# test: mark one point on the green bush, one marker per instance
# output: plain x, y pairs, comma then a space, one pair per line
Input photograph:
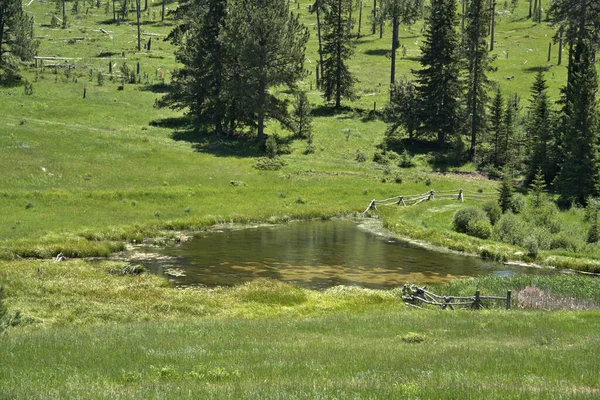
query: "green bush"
269, 164
479, 228
360, 157
272, 147
509, 229
406, 160
464, 216
563, 241
531, 245
493, 211
517, 203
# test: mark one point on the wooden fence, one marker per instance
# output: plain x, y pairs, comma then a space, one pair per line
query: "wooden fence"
417, 297
414, 199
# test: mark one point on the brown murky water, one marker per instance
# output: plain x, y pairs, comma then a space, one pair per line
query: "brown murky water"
315, 254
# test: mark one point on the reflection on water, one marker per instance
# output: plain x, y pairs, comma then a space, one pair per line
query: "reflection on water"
315, 254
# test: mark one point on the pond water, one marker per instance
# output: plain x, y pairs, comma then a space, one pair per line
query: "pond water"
316, 255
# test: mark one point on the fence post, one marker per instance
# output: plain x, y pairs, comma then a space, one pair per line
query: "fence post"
372, 205
477, 302
460, 195
401, 201
431, 195
508, 296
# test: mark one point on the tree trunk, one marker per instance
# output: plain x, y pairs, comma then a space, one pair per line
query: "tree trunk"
359, 19
137, 4
338, 72
320, 41
530, 8
162, 11
145, 5
114, 11
462, 24
261, 110
1, 30
560, 46
374, 16
64, 15
395, 26
493, 25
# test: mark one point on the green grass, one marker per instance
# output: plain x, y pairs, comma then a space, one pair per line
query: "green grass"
495, 355
87, 176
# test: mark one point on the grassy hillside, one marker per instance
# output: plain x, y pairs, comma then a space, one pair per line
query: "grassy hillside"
86, 176
111, 166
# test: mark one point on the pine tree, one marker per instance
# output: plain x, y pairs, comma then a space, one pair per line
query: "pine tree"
268, 44
16, 38
233, 53
199, 84
539, 132
438, 81
538, 188
579, 177
302, 119
338, 47
476, 54
402, 110
505, 192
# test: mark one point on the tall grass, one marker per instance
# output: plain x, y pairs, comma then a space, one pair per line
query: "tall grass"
459, 355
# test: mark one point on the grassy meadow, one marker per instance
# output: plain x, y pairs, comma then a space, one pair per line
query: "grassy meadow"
90, 176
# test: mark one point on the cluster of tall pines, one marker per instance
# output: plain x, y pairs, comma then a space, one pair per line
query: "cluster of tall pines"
450, 101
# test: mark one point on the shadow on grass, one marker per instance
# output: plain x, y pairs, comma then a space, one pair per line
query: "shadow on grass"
104, 54
541, 68
204, 141
378, 52
442, 159
157, 88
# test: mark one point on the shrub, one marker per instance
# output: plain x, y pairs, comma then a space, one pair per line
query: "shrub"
272, 147
509, 229
564, 242
493, 211
413, 337
542, 213
406, 160
269, 164
464, 216
592, 236
531, 245
479, 228
517, 203
360, 156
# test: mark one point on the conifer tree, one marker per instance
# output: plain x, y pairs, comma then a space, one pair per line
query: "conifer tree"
539, 131
16, 38
538, 188
402, 111
233, 53
476, 54
302, 118
505, 192
199, 84
438, 81
579, 177
338, 47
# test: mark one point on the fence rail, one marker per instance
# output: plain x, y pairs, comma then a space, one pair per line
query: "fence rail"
415, 296
414, 199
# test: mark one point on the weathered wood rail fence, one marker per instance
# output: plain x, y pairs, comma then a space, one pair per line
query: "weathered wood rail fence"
414, 199
415, 296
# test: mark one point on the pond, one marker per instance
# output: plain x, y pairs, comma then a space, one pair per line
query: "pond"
314, 254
